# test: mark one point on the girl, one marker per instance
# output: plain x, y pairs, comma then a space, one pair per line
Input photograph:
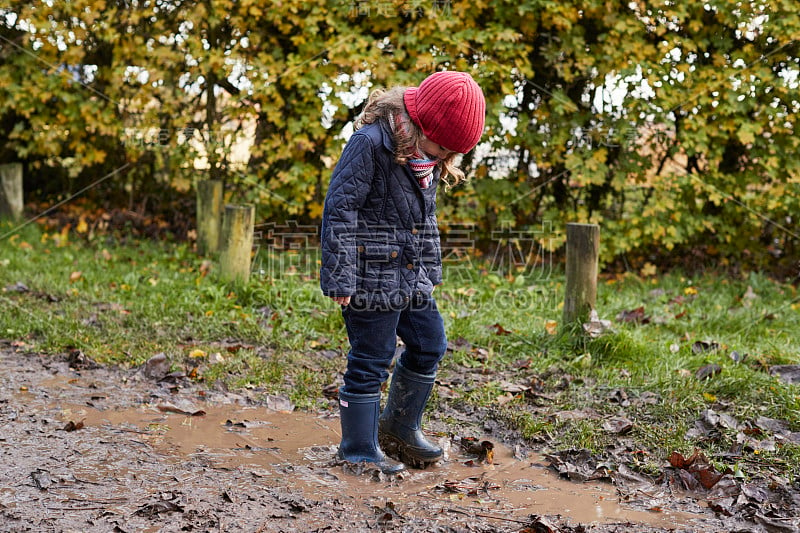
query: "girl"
381, 258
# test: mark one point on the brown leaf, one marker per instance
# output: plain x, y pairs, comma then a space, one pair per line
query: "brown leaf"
504, 398
507, 386
635, 316
73, 426
167, 408
539, 524
619, 425
708, 477
677, 459
500, 330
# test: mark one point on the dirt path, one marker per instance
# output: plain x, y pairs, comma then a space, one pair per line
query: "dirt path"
103, 449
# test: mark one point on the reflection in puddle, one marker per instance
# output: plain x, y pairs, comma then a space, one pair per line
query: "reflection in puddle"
295, 450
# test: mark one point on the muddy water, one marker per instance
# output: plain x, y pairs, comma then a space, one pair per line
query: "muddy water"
296, 449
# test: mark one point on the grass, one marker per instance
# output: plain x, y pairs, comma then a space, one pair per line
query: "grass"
122, 302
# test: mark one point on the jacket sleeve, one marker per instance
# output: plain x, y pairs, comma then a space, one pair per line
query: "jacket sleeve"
350, 184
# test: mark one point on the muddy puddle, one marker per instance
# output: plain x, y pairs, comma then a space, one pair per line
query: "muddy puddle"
297, 450
88, 453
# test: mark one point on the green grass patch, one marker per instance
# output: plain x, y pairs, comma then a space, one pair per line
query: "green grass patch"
121, 303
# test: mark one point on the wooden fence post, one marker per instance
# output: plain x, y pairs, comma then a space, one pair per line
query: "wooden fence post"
209, 216
11, 201
580, 292
237, 242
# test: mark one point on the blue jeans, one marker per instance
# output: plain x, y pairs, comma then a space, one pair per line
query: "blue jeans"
373, 341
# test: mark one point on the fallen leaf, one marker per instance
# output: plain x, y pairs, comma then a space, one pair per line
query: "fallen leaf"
156, 367
786, 373
596, 327
539, 524
678, 460
151, 509
41, 478
736, 357
504, 398
507, 386
618, 425
75, 276
73, 426
168, 408
707, 371
704, 346
749, 294
78, 360
635, 316
17, 287
551, 327
500, 330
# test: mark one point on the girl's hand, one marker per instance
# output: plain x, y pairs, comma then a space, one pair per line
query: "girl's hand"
341, 300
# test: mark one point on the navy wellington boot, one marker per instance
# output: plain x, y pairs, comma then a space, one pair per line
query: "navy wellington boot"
359, 417
399, 428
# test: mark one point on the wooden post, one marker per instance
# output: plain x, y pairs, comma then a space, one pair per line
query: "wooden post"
237, 242
11, 202
209, 216
583, 250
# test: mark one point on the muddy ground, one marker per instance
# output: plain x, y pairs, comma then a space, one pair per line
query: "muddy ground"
87, 448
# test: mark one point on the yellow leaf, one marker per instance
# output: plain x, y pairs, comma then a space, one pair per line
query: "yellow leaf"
551, 326
210, 312
649, 269
196, 353
82, 226
75, 276
709, 397
315, 209
689, 291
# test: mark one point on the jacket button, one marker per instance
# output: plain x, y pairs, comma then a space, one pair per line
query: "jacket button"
410, 266
360, 249
393, 254
414, 231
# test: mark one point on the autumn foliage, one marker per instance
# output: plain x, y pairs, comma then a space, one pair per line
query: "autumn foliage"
670, 124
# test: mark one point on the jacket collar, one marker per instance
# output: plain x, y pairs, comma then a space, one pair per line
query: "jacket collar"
388, 142
386, 135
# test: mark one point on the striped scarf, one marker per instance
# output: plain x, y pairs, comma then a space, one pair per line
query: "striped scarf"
421, 166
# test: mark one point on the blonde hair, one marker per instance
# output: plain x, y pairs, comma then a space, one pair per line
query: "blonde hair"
385, 103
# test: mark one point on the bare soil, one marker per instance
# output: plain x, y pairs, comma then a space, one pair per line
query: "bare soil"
95, 449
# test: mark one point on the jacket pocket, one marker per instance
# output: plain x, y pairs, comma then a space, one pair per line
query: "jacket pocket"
379, 265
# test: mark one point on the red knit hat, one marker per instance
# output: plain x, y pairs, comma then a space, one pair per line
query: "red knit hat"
449, 108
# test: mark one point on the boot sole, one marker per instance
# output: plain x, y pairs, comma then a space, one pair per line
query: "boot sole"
398, 450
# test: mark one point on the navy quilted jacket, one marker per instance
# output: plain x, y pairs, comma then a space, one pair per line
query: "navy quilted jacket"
380, 240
